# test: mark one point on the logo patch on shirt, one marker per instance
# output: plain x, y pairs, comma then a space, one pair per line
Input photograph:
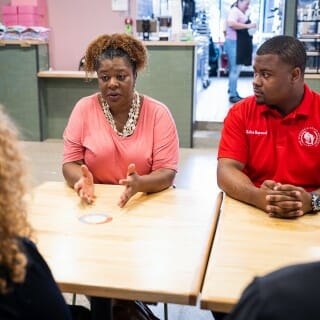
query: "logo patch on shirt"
309, 137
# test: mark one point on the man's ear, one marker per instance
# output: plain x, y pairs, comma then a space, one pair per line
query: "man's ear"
296, 74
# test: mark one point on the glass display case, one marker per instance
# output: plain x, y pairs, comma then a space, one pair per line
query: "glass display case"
273, 17
308, 31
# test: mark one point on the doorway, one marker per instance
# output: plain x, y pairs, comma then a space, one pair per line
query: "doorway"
212, 102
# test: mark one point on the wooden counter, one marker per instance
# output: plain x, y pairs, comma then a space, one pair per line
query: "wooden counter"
312, 76
21, 43
65, 74
313, 80
19, 91
169, 43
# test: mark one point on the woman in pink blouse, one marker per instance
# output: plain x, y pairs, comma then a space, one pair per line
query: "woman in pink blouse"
117, 135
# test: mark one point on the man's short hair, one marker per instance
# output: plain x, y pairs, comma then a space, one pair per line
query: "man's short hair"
290, 50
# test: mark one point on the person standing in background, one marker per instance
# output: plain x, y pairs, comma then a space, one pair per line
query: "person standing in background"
236, 20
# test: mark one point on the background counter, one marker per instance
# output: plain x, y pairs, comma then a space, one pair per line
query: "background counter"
169, 78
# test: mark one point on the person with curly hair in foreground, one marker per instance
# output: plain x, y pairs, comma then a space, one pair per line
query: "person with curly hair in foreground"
118, 136
27, 287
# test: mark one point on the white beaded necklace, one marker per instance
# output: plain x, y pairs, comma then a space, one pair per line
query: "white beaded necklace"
133, 116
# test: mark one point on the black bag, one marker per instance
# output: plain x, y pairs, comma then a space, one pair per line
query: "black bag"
79, 312
131, 310
244, 47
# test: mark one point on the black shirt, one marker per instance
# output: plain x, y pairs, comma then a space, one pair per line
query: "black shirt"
289, 293
39, 297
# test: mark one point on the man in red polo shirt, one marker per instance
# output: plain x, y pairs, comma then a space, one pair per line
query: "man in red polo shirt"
269, 153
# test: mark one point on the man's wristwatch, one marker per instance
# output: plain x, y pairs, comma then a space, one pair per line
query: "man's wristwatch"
315, 201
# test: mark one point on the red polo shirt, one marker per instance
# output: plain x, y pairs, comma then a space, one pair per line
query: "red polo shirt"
283, 149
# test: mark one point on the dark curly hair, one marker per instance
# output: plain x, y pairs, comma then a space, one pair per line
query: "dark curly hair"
115, 45
290, 50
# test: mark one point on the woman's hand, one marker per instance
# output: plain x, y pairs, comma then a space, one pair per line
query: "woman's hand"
251, 25
85, 186
131, 185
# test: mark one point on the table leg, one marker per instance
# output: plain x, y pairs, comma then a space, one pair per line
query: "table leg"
218, 315
165, 308
74, 298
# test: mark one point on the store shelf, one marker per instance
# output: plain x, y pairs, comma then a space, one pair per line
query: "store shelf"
311, 37
308, 32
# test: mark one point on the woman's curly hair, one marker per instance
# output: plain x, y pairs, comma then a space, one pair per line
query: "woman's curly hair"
115, 45
13, 209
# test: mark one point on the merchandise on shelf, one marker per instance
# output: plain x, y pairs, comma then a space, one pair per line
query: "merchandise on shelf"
26, 13
308, 31
24, 33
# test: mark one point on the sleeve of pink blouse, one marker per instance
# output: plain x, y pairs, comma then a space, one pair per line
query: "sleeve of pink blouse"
72, 137
166, 141
232, 16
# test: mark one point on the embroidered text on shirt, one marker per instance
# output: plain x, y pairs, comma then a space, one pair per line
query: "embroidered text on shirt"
256, 132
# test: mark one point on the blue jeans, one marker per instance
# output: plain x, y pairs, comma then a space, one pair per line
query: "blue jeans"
230, 47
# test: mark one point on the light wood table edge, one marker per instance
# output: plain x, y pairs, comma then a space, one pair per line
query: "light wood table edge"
203, 303
218, 306
223, 306
103, 292
217, 209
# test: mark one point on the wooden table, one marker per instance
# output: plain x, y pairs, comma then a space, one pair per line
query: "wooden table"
249, 243
154, 249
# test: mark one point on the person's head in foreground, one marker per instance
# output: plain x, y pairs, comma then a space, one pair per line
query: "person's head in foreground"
27, 288
13, 212
287, 293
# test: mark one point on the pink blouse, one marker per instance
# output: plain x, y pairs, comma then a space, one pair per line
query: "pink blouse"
153, 145
235, 15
